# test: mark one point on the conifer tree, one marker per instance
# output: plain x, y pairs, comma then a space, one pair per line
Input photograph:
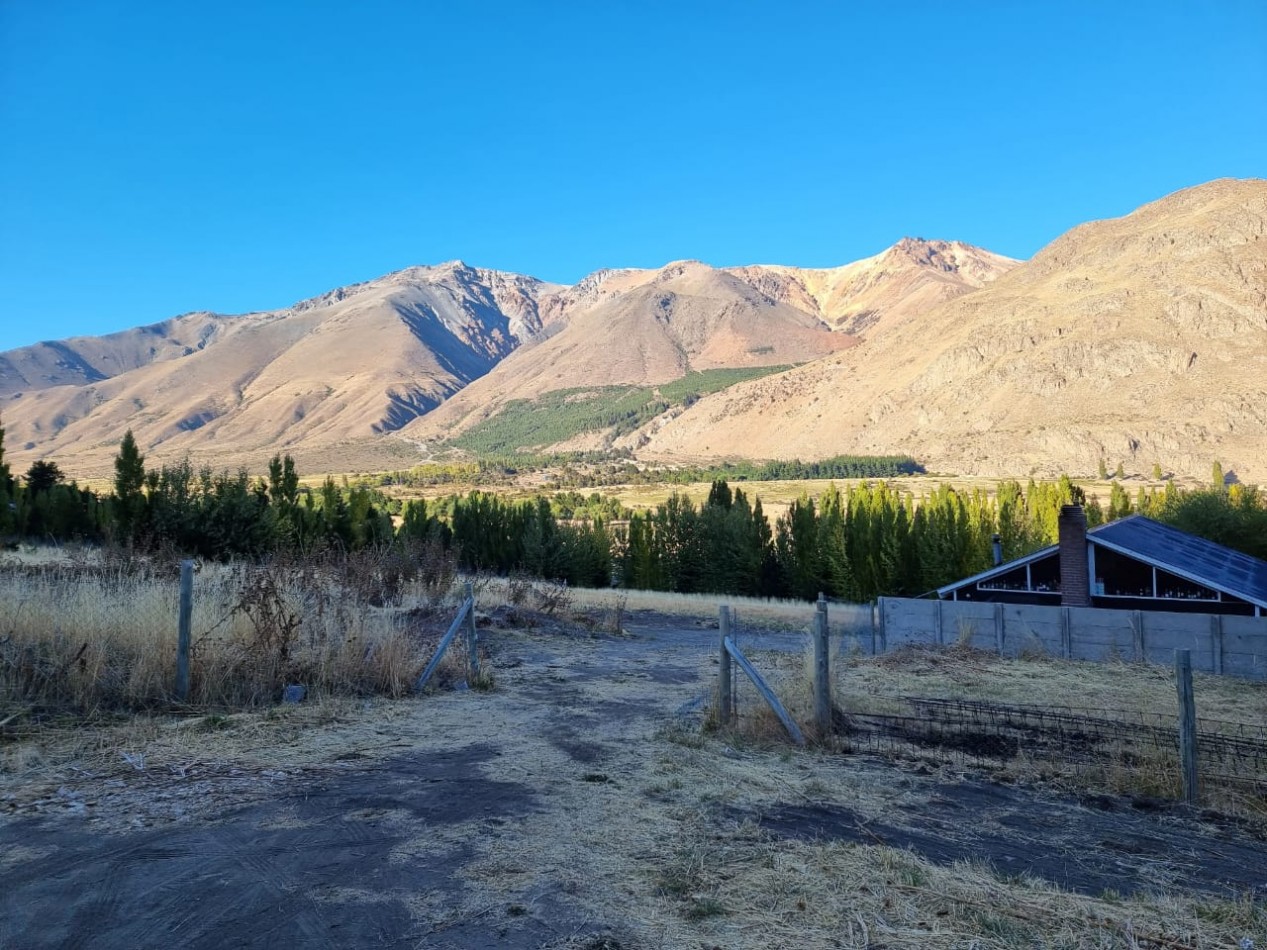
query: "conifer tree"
129, 484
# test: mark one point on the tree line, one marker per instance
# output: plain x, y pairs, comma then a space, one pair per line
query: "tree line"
865, 541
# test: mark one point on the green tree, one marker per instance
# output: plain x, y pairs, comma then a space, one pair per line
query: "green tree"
1217, 478
42, 476
129, 485
1120, 471
1103, 469
1119, 502
1156, 471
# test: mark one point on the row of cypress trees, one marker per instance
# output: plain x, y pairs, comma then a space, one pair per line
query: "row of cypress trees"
873, 540
858, 544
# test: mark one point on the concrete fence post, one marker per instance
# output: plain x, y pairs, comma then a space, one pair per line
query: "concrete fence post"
725, 684
1216, 642
874, 641
184, 629
884, 633
822, 671
1187, 724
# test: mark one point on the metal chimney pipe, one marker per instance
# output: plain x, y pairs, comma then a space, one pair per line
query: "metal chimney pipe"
996, 543
1075, 581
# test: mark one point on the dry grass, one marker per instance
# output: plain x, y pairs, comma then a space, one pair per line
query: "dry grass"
1129, 693
876, 684
87, 637
749, 612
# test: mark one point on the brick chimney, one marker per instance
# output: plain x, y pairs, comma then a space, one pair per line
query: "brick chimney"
1075, 584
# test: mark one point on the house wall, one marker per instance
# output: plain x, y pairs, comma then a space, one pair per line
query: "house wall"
1236, 646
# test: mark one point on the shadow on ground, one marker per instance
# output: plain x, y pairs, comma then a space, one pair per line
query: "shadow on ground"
320, 867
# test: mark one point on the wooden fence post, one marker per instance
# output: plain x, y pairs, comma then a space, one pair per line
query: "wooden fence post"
472, 639
1137, 632
1187, 724
822, 671
725, 686
938, 634
1066, 632
999, 622
184, 629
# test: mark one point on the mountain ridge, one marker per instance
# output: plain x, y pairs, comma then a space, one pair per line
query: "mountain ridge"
1141, 339
371, 358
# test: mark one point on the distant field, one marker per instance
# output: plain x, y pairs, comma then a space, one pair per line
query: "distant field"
776, 496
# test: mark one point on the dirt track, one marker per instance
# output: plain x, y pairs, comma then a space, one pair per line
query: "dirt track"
547, 813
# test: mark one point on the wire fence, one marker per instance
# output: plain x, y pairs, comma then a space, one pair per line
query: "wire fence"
1125, 748
100, 635
1115, 750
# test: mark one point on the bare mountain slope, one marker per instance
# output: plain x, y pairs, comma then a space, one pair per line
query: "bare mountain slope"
1140, 339
355, 362
646, 327
898, 283
90, 359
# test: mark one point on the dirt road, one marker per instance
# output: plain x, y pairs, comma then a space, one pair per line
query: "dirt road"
576, 805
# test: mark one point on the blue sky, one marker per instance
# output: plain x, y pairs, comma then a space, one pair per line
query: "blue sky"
160, 157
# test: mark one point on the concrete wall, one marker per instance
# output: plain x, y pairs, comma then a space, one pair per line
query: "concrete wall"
1236, 646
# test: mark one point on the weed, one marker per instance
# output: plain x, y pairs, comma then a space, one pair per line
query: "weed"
702, 908
552, 597
680, 733
215, 723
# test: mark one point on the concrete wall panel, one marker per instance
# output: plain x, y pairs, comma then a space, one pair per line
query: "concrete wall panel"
1093, 633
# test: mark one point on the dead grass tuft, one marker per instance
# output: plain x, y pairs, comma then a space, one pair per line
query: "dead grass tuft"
90, 638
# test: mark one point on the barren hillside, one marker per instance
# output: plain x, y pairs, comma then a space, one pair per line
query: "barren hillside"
90, 359
898, 283
1139, 339
348, 365
640, 327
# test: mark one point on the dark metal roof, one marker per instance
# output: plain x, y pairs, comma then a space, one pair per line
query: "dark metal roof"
1186, 555
1000, 569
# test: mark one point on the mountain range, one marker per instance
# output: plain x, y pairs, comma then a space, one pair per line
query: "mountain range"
1139, 339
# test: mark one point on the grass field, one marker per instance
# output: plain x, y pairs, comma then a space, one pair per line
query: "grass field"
776, 496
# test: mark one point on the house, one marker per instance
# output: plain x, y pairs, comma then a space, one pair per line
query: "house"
1132, 564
